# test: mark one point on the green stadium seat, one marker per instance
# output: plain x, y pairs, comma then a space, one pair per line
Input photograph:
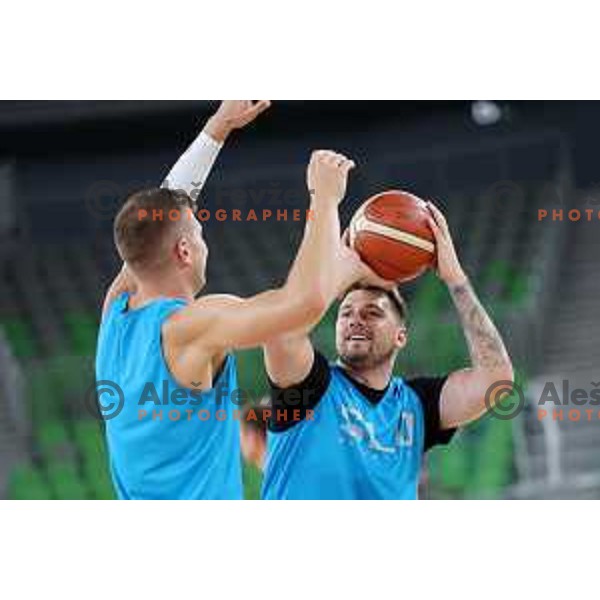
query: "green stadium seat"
429, 298
66, 380
82, 330
45, 403
90, 443
252, 478
251, 374
97, 480
88, 439
27, 483
447, 347
20, 337
493, 468
449, 468
65, 481
519, 288
496, 279
59, 375
54, 442
505, 287
455, 468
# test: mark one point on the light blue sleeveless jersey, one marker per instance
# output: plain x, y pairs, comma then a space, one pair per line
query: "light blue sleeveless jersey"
170, 458
352, 449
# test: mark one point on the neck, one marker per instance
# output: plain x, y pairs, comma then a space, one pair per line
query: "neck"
377, 377
170, 287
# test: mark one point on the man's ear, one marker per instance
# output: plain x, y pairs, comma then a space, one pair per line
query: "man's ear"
402, 337
183, 251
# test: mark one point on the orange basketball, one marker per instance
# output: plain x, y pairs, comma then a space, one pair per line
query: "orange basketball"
391, 234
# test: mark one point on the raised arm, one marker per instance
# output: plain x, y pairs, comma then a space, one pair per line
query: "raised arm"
123, 282
463, 395
289, 356
216, 323
192, 169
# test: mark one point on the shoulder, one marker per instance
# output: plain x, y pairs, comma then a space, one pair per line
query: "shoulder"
216, 300
427, 389
114, 305
304, 396
202, 310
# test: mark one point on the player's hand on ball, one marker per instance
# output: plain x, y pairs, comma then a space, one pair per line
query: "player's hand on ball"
234, 114
357, 271
448, 266
370, 278
327, 175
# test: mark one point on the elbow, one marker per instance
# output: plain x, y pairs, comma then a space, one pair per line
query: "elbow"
307, 301
319, 296
308, 306
503, 372
322, 297
507, 370
315, 304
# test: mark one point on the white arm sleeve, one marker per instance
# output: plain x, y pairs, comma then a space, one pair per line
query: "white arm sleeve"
193, 167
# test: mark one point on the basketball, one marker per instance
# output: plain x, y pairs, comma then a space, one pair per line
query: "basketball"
391, 234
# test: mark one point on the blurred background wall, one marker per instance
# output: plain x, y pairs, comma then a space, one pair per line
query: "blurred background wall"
65, 167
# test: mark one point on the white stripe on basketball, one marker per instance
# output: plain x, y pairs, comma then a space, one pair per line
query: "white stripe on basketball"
357, 218
362, 223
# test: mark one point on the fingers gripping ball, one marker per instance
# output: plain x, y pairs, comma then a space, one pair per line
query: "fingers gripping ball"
391, 234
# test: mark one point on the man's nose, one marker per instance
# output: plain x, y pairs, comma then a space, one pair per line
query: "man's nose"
355, 319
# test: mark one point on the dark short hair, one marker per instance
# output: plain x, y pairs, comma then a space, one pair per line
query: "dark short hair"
139, 240
393, 295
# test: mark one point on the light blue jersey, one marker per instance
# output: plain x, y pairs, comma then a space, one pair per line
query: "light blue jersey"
349, 447
195, 456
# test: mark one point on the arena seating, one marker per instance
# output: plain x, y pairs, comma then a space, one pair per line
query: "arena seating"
558, 457
51, 308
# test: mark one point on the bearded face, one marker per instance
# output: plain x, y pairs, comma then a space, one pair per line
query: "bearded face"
368, 329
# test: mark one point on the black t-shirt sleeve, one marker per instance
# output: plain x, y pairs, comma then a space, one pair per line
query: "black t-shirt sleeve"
429, 391
302, 397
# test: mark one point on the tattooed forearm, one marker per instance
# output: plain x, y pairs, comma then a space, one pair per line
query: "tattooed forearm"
486, 347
